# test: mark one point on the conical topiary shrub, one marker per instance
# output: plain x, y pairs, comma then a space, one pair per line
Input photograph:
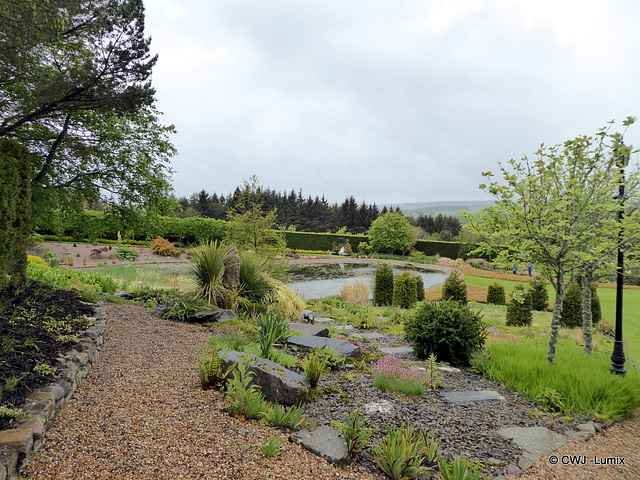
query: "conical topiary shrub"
571, 316
404, 291
539, 294
495, 294
454, 288
419, 284
383, 285
519, 312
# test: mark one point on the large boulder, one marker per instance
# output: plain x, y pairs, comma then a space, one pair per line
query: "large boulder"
277, 383
325, 442
231, 277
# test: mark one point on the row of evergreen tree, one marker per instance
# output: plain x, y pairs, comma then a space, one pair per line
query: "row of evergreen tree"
311, 214
293, 209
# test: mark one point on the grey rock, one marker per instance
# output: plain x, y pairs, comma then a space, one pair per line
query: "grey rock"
308, 315
309, 329
213, 315
396, 351
341, 346
8, 462
324, 320
493, 330
276, 382
475, 396
579, 436
383, 406
588, 427
525, 462
325, 442
514, 470
538, 441
345, 328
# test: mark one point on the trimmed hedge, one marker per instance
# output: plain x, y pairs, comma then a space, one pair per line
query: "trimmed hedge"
92, 225
325, 241
321, 241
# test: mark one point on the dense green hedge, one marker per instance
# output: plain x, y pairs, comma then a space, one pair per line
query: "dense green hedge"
444, 249
321, 241
92, 225
325, 241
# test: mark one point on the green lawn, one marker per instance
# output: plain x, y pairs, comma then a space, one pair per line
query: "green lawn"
631, 313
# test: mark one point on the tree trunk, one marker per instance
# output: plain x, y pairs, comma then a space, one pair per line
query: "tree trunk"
555, 322
587, 318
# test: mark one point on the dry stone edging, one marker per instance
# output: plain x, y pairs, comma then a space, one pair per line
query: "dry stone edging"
18, 445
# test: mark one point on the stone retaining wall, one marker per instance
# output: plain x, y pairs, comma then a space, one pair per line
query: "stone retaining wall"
18, 445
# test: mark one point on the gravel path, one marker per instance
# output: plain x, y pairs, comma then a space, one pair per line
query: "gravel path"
141, 414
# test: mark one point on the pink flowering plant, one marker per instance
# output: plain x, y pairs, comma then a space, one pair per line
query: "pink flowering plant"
391, 373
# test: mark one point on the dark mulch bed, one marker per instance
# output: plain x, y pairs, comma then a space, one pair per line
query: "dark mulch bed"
33, 320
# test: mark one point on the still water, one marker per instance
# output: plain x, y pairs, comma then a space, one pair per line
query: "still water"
319, 281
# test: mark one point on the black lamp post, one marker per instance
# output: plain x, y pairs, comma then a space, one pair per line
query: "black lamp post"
617, 357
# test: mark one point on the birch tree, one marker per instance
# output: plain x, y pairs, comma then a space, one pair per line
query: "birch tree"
558, 210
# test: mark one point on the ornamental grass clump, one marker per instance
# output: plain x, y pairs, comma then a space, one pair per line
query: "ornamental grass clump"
402, 453
391, 373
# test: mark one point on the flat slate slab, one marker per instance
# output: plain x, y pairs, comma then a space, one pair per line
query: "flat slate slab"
538, 441
396, 350
326, 442
341, 346
474, 396
309, 329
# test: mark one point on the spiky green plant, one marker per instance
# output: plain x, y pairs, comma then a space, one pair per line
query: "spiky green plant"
207, 269
254, 278
355, 431
273, 328
315, 366
272, 447
400, 454
243, 396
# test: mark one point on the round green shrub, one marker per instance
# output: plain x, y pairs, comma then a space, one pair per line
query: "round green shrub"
454, 288
519, 312
571, 315
495, 294
539, 294
448, 329
404, 291
383, 285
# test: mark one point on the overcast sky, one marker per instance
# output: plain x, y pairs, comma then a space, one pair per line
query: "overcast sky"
391, 101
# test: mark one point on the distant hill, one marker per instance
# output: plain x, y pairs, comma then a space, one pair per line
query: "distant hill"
446, 208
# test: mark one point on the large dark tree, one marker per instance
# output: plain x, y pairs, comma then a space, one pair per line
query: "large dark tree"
78, 94
75, 91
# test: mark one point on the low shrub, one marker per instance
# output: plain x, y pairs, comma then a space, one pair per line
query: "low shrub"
392, 373
495, 294
126, 253
519, 312
165, 248
454, 288
448, 329
35, 259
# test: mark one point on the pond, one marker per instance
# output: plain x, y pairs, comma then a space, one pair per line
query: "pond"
319, 281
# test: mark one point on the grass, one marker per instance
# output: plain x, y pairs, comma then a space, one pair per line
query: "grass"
132, 277
583, 383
